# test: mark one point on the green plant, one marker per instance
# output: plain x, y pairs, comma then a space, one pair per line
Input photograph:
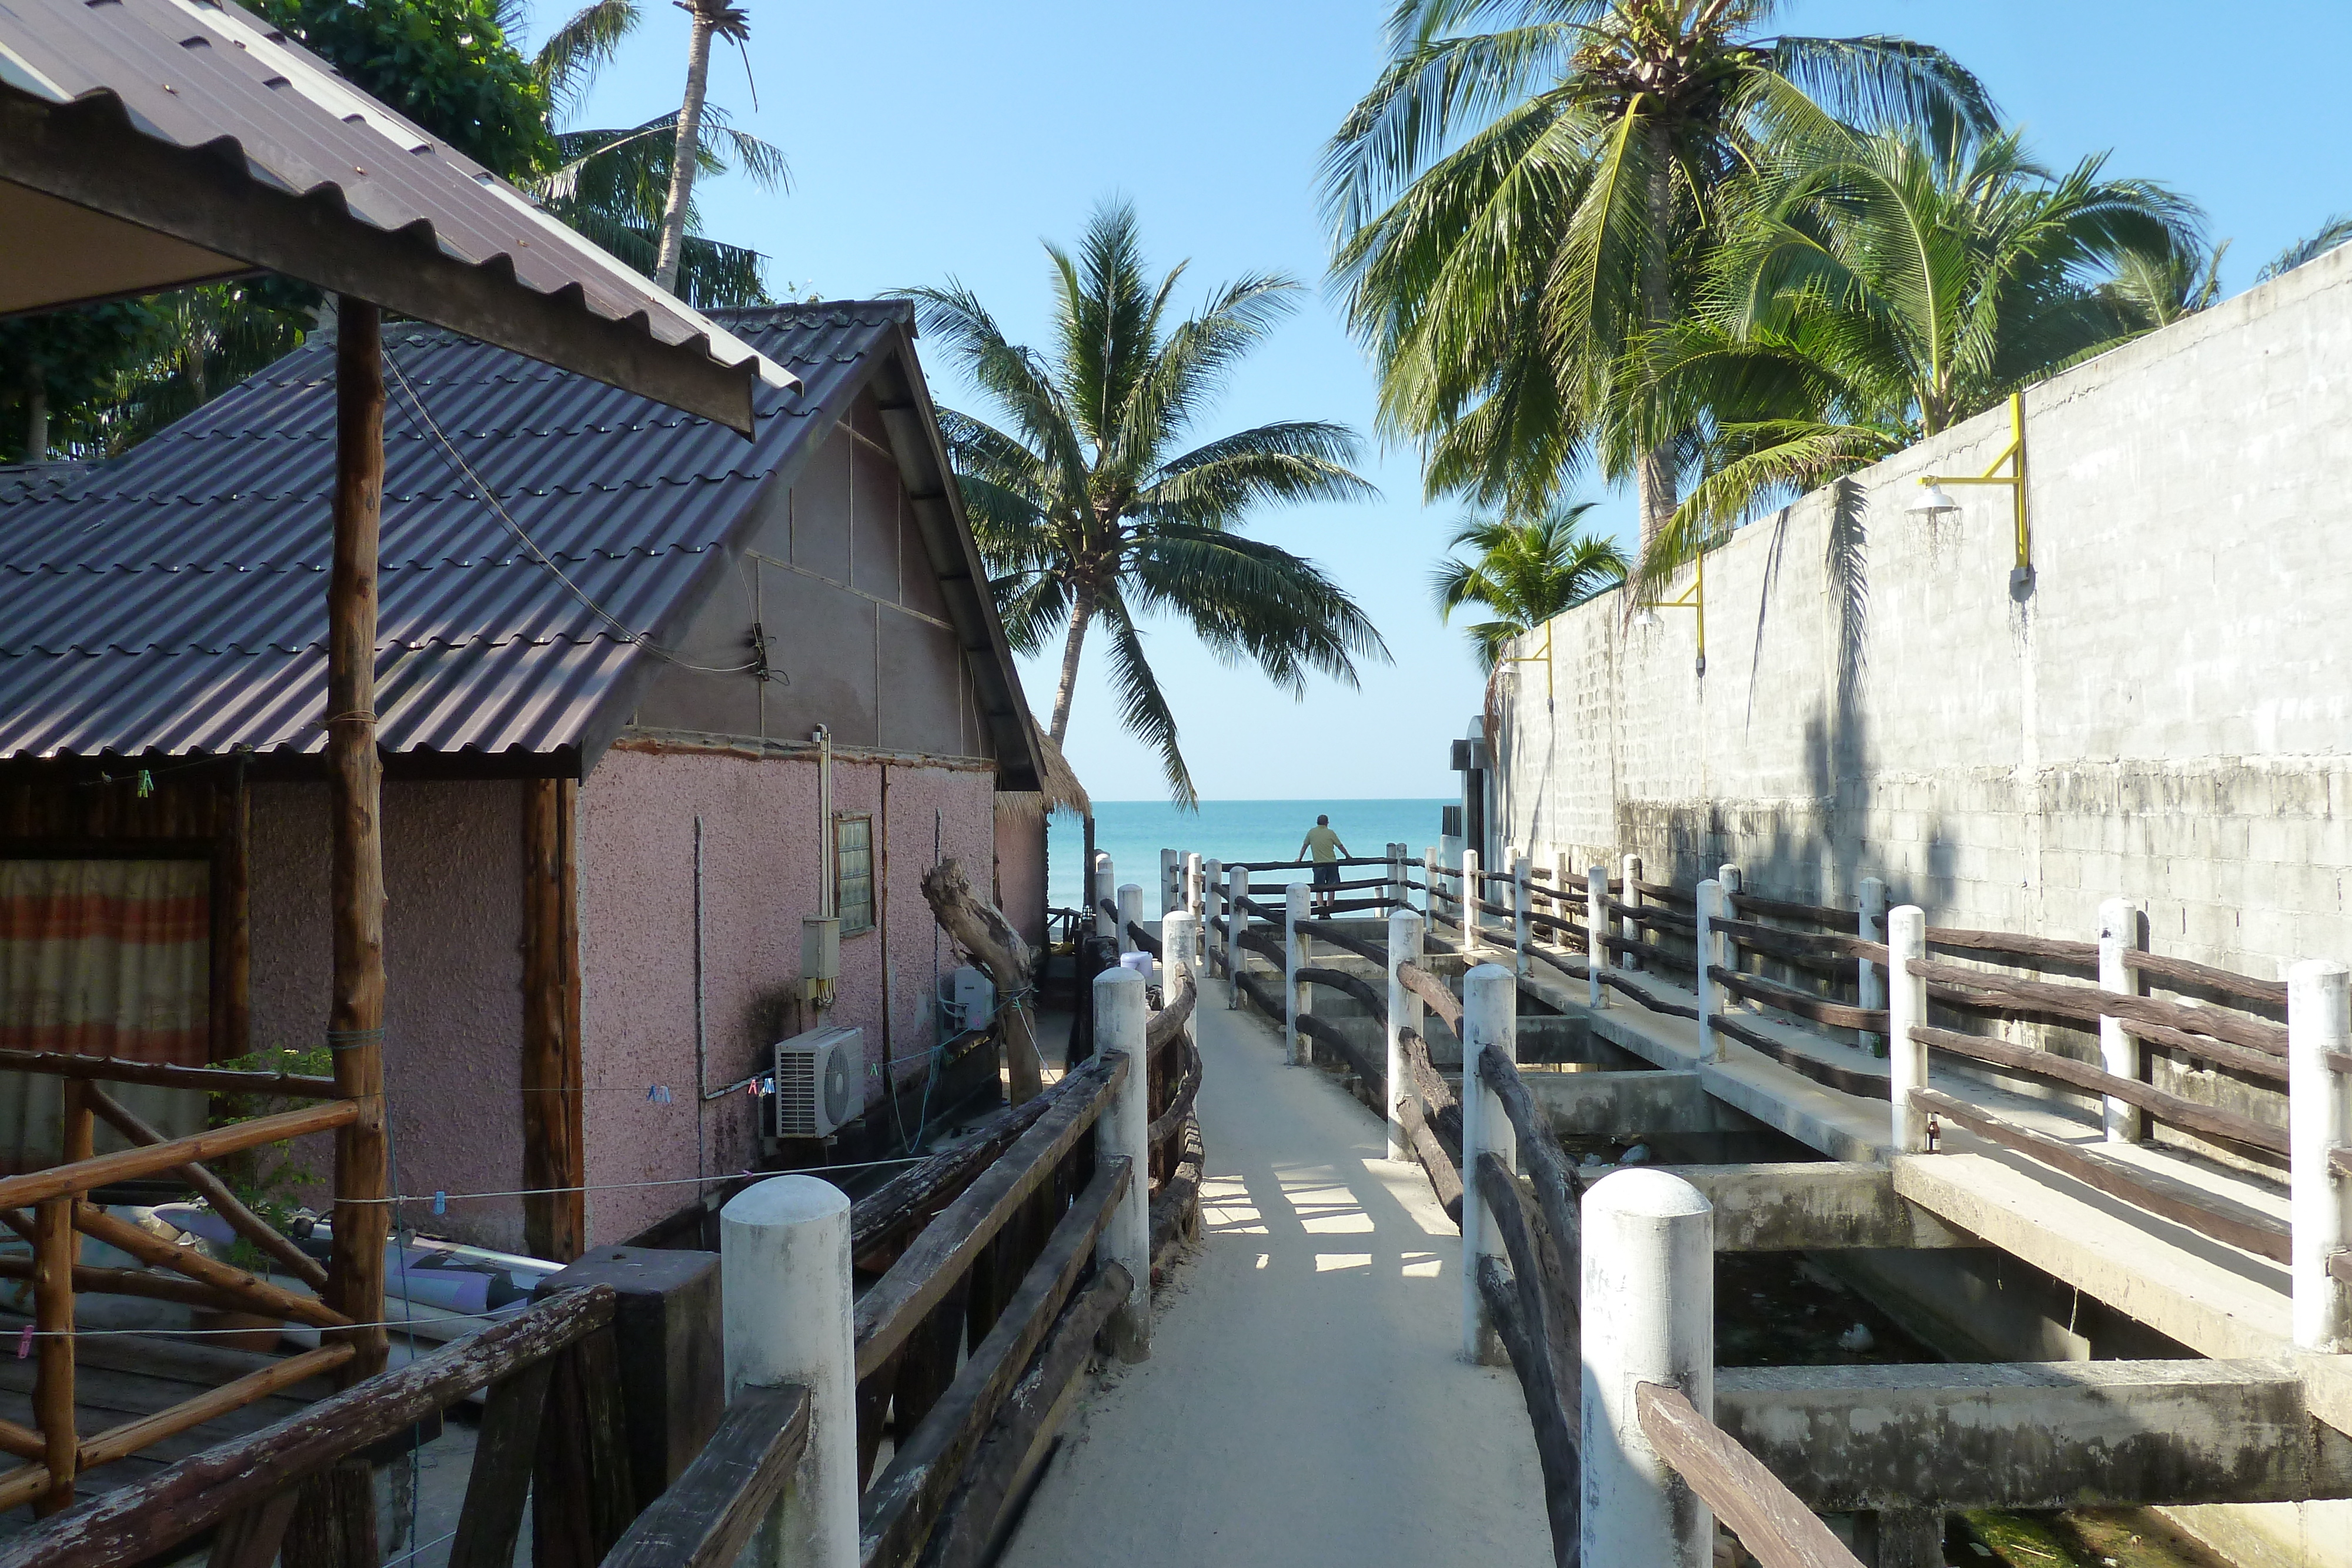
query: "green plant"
267, 1179
1524, 571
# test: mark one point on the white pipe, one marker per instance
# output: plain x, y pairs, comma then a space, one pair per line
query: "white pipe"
1404, 1013
783, 1266
1297, 949
1124, 1129
1490, 1013
2319, 1119
1648, 1296
1906, 1007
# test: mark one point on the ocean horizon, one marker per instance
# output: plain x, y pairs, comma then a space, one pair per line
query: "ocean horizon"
1133, 832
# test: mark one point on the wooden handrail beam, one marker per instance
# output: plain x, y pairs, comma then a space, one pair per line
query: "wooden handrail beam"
1778, 1531
2089, 1002
2231, 1126
128, 1165
158, 1253
708, 1513
212, 1080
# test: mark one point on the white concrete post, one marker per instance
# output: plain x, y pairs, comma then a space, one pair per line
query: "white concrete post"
1648, 1292
1490, 1018
1295, 957
1519, 869
1633, 900
2319, 1120
2119, 926
1179, 940
1869, 979
1212, 892
787, 1317
1237, 922
1124, 1128
1399, 889
1726, 951
1471, 893
1172, 880
1429, 883
1404, 1013
1106, 891
1710, 995
1130, 913
1596, 935
1906, 1004
1191, 883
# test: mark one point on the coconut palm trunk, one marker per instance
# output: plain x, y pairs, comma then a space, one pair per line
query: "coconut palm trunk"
706, 18
1653, 474
1081, 611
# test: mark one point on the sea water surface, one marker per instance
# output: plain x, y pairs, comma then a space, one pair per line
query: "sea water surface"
1133, 832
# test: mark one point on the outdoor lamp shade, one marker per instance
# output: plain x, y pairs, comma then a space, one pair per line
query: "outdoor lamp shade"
1932, 501
1645, 618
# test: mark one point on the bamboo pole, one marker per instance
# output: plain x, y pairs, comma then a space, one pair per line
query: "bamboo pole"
355, 772
54, 1245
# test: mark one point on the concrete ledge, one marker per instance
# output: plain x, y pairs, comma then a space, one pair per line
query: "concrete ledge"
1814, 1207
2036, 1434
1630, 1104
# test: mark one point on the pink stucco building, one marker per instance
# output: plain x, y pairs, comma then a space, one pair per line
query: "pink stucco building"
611, 636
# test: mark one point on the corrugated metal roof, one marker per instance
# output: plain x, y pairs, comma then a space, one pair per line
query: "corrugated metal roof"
173, 601
205, 74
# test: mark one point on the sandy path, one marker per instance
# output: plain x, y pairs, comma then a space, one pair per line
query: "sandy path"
1303, 1403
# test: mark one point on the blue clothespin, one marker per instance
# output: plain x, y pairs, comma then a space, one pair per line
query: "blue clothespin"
440, 1203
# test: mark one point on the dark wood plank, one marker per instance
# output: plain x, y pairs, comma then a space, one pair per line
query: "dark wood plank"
901, 1506
497, 1487
554, 1151
909, 1199
251, 1539
941, 1255
1802, 1004
582, 1496
1778, 1531
710, 1513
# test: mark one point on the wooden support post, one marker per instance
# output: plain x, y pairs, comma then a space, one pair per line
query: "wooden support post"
669, 1333
583, 1499
1490, 1013
1869, 979
1519, 879
490, 1519
362, 1218
1296, 954
1123, 1130
784, 1253
1632, 899
1648, 1295
2121, 928
53, 1379
2320, 1120
555, 1222
1596, 935
1907, 1007
1237, 921
1404, 1013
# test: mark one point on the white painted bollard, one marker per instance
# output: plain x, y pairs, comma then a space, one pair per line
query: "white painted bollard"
1296, 955
2320, 1120
1106, 892
1179, 940
2119, 927
1472, 891
1648, 1292
783, 1269
1172, 881
1519, 869
1130, 914
1906, 1005
1632, 900
1124, 1130
1490, 1021
1212, 898
1596, 935
1191, 883
1711, 996
1404, 1013
1726, 951
1237, 921
1429, 884
1869, 979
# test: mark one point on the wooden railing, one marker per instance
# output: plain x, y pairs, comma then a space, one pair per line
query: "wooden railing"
50, 1209
1778, 1531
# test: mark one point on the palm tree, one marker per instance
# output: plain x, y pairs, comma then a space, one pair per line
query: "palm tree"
1526, 572
2335, 232
711, 19
1085, 510
1515, 209
2156, 290
1875, 288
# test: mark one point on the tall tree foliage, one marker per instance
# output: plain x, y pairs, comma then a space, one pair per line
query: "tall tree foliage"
1526, 194
1524, 572
1089, 507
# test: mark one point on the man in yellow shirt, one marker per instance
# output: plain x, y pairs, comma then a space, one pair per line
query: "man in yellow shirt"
1327, 851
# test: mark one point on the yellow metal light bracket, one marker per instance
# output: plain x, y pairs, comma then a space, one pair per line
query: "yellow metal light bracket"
1693, 599
2013, 457
1543, 658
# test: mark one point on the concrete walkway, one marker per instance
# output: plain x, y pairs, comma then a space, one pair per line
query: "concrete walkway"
1304, 1403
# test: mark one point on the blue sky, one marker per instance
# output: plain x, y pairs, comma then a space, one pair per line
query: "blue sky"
930, 139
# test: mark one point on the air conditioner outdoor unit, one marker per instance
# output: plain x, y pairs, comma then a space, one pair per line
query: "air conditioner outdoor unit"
817, 1077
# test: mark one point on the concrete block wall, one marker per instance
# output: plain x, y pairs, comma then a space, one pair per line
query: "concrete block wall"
2166, 716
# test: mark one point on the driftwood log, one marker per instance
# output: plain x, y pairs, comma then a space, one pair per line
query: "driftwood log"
980, 929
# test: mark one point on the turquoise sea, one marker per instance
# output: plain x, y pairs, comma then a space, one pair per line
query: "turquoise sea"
1133, 832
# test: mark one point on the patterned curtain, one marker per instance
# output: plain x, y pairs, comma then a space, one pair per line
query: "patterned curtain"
106, 958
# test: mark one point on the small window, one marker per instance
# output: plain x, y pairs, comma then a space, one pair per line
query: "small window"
853, 842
